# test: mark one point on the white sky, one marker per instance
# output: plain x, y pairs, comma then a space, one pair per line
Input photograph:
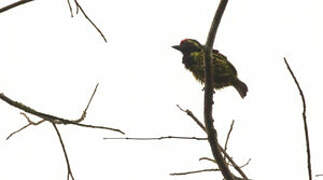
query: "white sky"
52, 63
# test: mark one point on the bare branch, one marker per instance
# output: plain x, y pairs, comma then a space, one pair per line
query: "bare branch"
55, 119
79, 7
70, 7
17, 131
208, 159
32, 111
88, 104
160, 138
208, 95
13, 5
96, 127
213, 161
304, 120
228, 136
219, 146
190, 114
69, 171
193, 172
246, 164
27, 125
318, 175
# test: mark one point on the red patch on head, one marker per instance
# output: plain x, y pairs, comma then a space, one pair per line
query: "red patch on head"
183, 41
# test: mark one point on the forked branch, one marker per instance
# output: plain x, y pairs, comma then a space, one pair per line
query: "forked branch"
198, 122
54, 120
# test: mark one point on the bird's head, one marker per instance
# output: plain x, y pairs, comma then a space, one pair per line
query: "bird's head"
188, 45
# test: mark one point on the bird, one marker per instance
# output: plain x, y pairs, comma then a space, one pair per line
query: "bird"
224, 73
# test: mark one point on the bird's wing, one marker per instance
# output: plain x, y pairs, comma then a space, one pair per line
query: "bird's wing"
222, 66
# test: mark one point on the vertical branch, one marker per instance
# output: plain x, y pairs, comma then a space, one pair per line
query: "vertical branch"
304, 119
208, 95
228, 136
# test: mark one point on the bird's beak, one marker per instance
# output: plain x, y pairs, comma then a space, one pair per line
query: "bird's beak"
177, 47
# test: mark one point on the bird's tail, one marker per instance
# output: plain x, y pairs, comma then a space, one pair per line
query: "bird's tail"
241, 87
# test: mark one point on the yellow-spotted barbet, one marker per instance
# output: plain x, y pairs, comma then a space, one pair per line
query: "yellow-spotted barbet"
224, 73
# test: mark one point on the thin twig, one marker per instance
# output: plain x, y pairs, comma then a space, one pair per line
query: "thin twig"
246, 164
213, 161
304, 120
193, 172
208, 159
190, 114
195, 119
17, 131
219, 146
88, 104
160, 138
96, 127
69, 171
318, 175
27, 125
78, 6
70, 7
228, 136
13, 5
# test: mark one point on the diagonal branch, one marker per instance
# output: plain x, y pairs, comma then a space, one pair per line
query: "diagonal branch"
70, 7
228, 136
304, 119
69, 170
55, 119
190, 114
219, 146
79, 7
13, 5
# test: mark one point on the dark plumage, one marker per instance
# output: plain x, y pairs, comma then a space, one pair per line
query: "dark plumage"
224, 73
